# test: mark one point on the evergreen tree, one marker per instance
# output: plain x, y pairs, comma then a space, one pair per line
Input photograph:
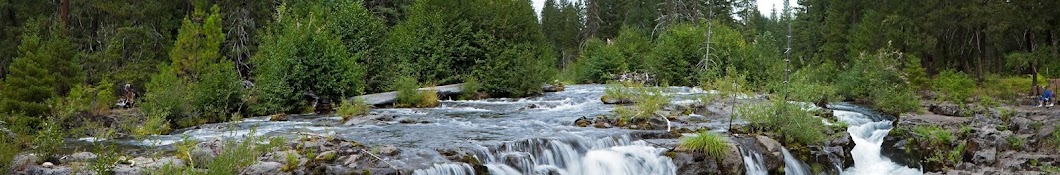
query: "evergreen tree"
47, 67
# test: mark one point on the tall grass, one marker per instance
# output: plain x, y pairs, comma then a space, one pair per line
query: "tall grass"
354, 107
790, 121
712, 144
236, 156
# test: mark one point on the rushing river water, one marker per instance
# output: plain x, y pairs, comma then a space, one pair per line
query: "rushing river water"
526, 136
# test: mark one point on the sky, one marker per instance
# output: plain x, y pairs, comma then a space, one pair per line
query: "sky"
764, 6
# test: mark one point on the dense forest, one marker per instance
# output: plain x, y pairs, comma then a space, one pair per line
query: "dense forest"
66, 63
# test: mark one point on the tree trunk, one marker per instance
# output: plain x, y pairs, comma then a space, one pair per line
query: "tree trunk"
65, 12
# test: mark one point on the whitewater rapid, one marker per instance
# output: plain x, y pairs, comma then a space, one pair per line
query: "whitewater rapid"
868, 136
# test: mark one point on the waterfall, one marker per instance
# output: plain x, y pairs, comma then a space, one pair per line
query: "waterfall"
572, 156
753, 162
868, 138
447, 169
792, 165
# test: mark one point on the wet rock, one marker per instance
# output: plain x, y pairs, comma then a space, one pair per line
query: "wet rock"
659, 121
601, 122
165, 161
733, 161
611, 100
771, 145
278, 117
263, 168
694, 163
411, 121
389, 150
554, 88
582, 122
384, 118
985, 156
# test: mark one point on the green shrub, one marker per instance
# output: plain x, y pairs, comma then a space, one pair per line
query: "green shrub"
1016, 142
712, 144
933, 135
166, 92
300, 55
793, 123
619, 91
218, 93
9, 148
1054, 139
897, 101
649, 100
678, 55
954, 86
407, 93
49, 140
877, 77
153, 124
353, 107
471, 88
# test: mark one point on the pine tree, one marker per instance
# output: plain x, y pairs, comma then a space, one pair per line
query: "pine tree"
46, 67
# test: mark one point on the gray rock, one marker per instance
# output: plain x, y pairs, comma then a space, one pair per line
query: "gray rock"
771, 145
694, 163
326, 156
1021, 125
985, 156
389, 150
47, 165
39, 170
24, 162
601, 122
80, 157
264, 168
206, 152
947, 109
337, 170
157, 163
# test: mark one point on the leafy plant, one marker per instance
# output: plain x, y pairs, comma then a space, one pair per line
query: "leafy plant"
793, 123
955, 86
49, 140
353, 107
712, 144
1016, 142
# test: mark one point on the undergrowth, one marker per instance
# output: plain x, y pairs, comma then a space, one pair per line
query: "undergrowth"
712, 144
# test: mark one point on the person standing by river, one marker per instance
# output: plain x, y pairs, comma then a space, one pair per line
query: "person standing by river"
1047, 97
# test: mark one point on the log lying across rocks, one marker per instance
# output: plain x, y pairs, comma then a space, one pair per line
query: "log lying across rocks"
444, 92
391, 97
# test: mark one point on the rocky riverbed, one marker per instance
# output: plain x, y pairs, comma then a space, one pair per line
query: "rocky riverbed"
574, 132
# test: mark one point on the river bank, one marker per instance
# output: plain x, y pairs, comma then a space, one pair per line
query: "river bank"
570, 132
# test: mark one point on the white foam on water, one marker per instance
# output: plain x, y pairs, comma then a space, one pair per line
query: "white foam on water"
868, 139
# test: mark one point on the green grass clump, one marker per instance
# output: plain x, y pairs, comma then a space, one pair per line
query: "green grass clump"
954, 86
1054, 139
620, 91
156, 123
791, 122
1016, 142
236, 156
933, 135
712, 144
408, 94
350, 108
